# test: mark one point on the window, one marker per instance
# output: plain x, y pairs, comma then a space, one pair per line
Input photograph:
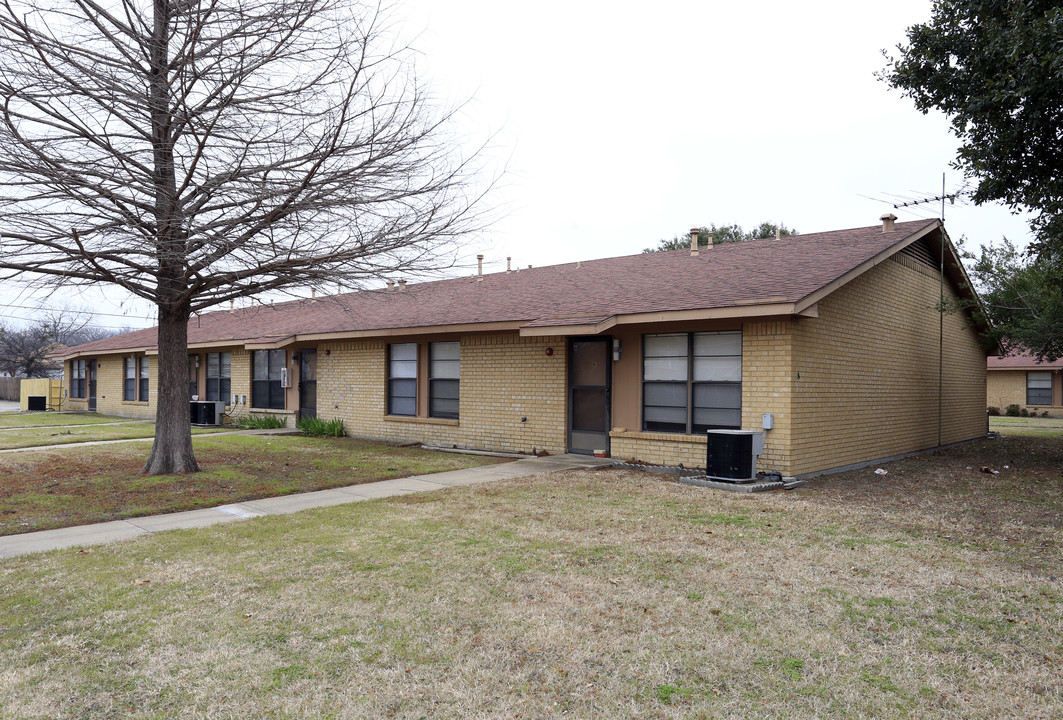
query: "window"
267, 370
1039, 388
193, 377
77, 378
219, 376
402, 379
143, 378
129, 386
692, 382
444, 370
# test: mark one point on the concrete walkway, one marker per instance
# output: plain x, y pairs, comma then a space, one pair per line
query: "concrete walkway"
102, 533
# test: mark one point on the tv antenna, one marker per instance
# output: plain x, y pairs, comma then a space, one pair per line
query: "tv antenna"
951, 197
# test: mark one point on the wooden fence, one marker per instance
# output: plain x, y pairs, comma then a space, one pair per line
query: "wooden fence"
9, 388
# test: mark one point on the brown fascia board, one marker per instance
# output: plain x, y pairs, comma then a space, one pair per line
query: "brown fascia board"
588, 328
143, 349
954, 271
506, 326
815, 297
271, 344
668, 316
212, 344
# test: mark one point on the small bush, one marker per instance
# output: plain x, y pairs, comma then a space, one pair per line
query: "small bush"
261, 422
316, 427
1013, 410
994, 411
1026, 413
1044, 413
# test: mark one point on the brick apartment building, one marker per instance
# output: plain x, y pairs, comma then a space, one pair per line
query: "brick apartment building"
838, 336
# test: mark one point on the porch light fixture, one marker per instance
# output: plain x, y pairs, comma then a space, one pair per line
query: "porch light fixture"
617, 350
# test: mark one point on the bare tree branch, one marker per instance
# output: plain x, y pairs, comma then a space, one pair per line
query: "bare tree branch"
197, 151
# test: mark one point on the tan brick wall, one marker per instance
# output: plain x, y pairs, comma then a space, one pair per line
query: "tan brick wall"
658, 448
504, 378
109, 378
865, 374
766, 388
240, 381
1006, 387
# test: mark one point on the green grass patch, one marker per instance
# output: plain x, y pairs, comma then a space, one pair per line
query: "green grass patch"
1027, 426
42, 490
569, 595
13, 439
51, 419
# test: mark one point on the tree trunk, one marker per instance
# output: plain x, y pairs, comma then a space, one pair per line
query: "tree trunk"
172, 451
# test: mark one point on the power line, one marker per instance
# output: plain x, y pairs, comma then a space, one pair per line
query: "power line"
72, 311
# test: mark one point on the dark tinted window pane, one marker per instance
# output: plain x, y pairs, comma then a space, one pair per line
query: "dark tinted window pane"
444, 398
718, 395
705, 419
588, 409
276, 395
260, 393
402, 397
1039, 396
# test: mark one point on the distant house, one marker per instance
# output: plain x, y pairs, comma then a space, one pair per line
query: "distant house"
836, 337
1021, 380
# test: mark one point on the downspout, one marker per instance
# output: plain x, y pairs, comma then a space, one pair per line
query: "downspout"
941, 337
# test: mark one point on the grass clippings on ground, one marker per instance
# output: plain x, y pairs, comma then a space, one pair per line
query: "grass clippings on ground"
610, 594
40, 490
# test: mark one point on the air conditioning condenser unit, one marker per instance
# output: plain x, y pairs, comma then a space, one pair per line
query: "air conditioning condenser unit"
731, 455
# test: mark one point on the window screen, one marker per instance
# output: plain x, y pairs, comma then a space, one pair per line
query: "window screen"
1039, 388
402, 379
444, 382
692, 382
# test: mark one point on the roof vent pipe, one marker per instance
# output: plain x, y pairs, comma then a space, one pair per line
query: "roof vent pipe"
479, 268
402, 284
507, 264
693, 241
778, 232
887, 222
231, 302
313, 294
391, 284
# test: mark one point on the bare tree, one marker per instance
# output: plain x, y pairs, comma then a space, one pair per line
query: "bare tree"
196, 151
26, 351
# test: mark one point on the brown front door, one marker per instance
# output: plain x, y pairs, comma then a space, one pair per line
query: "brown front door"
589, 395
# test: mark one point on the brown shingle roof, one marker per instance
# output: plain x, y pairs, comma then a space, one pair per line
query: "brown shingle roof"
1020, 362
728, 278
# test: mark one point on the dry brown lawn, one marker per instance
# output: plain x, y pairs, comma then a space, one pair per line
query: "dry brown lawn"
932, 591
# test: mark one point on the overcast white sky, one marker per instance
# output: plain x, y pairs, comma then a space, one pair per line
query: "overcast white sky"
622, 123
